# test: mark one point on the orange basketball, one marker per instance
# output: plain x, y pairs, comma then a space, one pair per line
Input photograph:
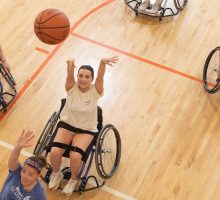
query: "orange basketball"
51, 26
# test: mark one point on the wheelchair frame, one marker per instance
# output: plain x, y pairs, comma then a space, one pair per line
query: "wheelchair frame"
164, 11
210, 71
95, 150
10, 80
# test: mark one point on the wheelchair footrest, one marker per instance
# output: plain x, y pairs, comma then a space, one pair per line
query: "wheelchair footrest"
95, 184
46, 178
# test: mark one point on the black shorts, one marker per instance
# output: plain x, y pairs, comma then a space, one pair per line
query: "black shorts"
73, 129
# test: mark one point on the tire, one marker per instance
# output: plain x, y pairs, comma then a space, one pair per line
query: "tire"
46, 135
1, 88
107, 151
210, 71
180, 4
8, 77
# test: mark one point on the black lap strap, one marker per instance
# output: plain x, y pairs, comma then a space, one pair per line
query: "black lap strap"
68, 127
69, 148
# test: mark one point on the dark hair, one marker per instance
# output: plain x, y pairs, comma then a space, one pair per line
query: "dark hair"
39, 160
88, 67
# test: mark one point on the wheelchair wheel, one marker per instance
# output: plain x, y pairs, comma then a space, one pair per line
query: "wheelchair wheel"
107, 151
180, 4
3, 105
1, 88
8, 77
46, 135
211, 70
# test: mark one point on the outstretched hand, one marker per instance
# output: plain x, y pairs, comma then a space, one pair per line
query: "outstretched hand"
110, 61
70, 65
25, 139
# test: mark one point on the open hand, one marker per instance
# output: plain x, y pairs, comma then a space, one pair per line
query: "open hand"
110, 61
25, 139
70, 65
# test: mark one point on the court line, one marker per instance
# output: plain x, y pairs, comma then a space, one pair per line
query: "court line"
89, 13
105, 188
28, 83
10, 147
37, 72
25, 87
115, 192
42, 50
194, 78
42, 66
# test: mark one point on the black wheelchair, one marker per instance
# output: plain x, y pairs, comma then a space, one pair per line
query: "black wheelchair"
105, 150
211, 71
168, 8
6, 98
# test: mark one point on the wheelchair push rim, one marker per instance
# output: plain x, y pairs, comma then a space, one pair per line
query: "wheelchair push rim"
211, 70
46, 135
108, 151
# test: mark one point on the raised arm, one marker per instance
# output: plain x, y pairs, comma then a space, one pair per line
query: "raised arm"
70, 80
24, 140
99, 82
3, 60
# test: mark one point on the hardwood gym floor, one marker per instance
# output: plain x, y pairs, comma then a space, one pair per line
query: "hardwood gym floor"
168, 124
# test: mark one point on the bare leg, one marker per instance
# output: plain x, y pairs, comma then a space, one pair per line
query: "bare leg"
63, 136
157, 5
158, 2
82, 141
155, 8
144, 5
151, 11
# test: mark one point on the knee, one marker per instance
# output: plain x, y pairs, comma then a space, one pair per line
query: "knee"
75, 156
56, 152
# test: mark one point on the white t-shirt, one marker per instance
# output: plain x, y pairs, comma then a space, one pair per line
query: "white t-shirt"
80, 109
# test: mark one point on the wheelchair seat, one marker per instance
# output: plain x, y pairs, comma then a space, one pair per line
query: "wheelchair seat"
69, 147
106, 153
